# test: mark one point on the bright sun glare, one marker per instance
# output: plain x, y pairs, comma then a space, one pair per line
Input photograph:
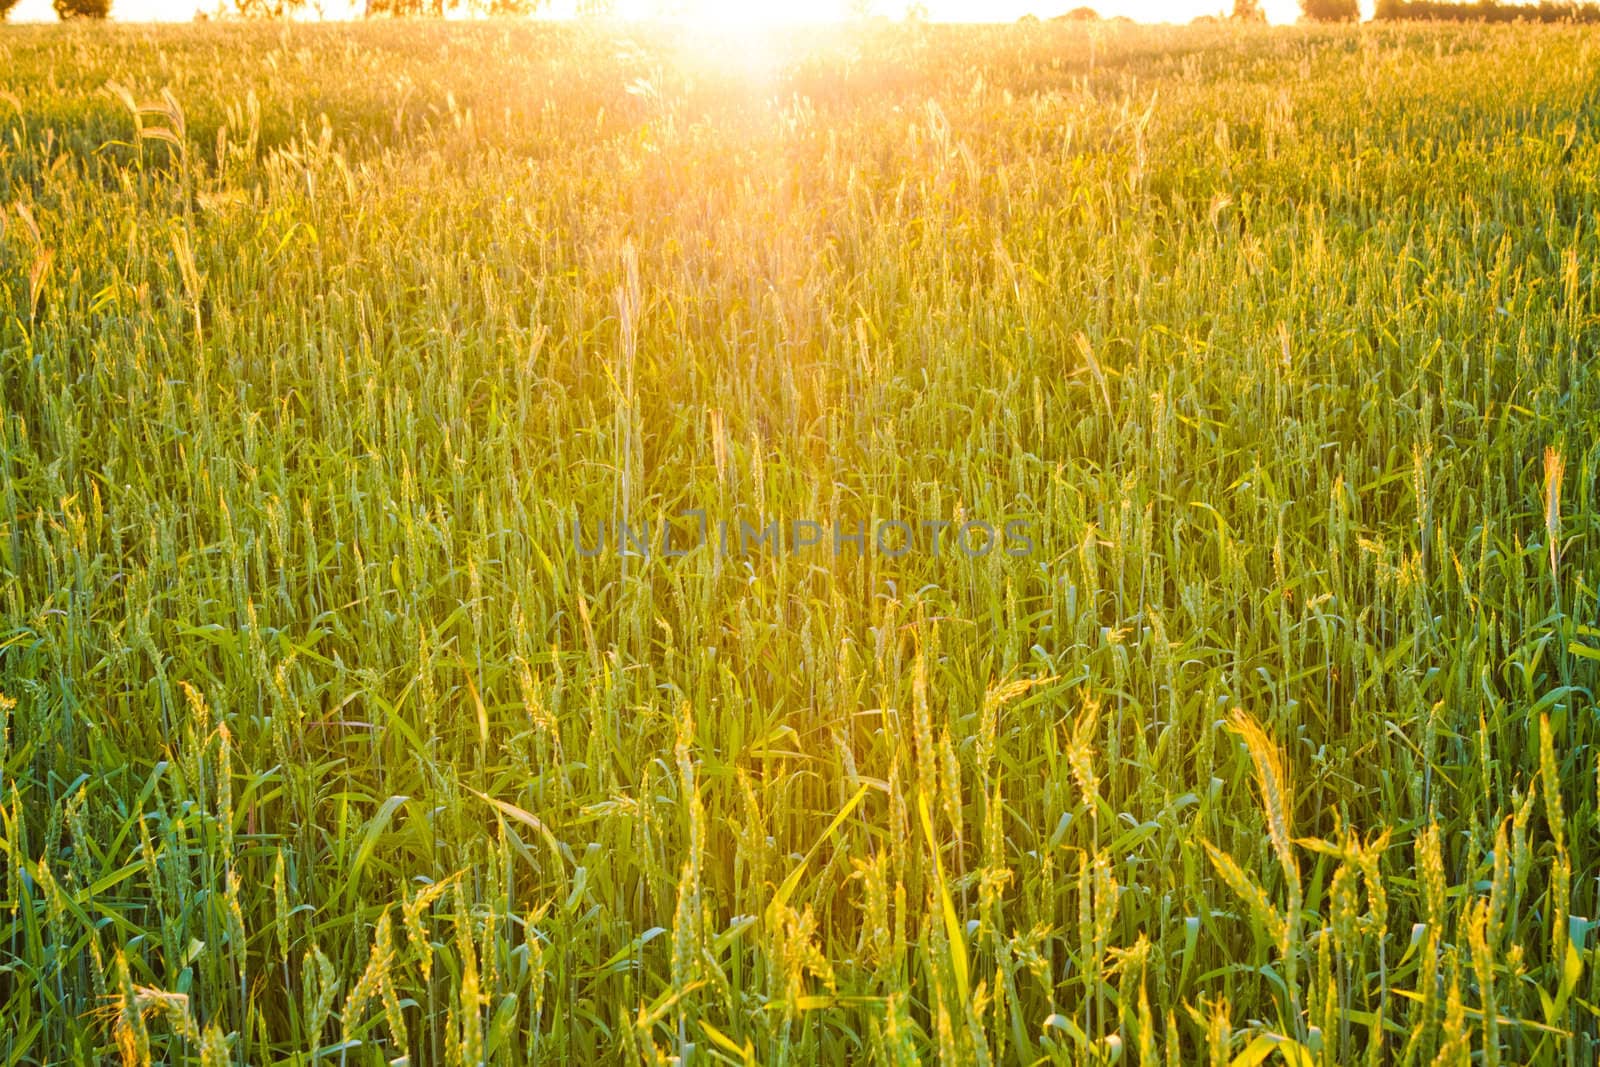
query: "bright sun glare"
736, 13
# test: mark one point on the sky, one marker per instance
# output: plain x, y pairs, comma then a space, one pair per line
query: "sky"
735, 11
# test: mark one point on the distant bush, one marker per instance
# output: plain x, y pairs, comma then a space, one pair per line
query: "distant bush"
1079, 14
1486, 11
1330, 10
70, 10
1247, 11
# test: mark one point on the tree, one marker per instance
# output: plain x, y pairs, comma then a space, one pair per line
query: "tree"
69, 10
5, 8
1330, 10
1248, 11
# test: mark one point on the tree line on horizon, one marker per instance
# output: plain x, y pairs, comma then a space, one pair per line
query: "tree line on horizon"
1576, 11
1486, 11
1247, 11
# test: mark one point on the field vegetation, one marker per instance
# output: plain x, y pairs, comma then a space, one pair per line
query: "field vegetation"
323, 744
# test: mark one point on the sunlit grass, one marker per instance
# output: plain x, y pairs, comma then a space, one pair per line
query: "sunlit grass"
323, 743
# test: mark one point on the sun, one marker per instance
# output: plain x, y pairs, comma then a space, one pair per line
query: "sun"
734, 37
735, 14
738, 13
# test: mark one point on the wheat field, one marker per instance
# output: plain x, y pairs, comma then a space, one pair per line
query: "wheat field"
336, 733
